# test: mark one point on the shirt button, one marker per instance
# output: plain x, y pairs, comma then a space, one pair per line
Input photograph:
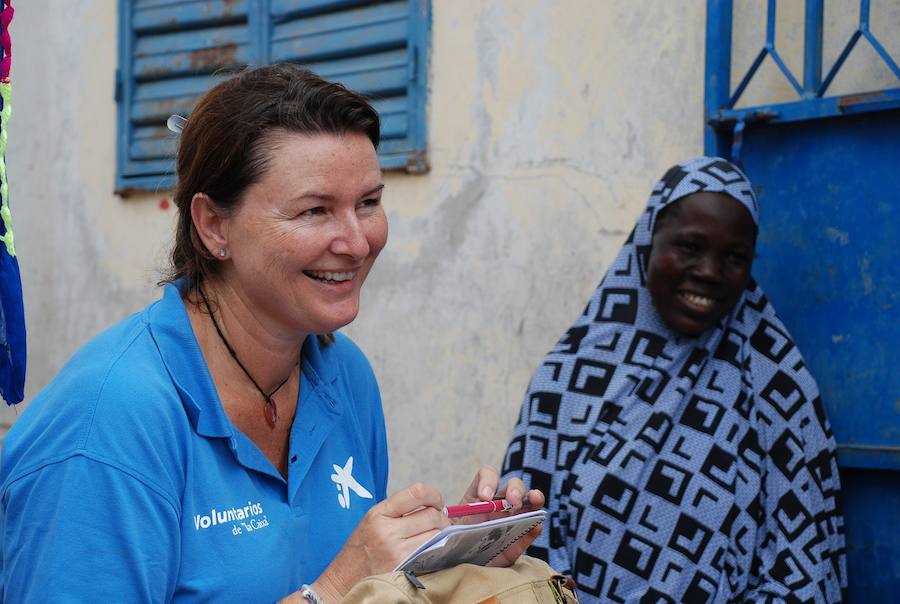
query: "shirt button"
294, 458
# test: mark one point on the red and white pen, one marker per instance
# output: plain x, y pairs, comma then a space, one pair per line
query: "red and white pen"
478, 507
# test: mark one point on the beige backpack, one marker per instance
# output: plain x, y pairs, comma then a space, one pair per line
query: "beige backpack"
529, 580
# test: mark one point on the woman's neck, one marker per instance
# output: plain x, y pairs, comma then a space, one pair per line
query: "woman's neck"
266, 353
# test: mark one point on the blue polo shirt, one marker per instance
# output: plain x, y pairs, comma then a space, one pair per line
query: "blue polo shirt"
125, 480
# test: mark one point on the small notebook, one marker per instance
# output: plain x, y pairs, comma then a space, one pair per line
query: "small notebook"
470, 543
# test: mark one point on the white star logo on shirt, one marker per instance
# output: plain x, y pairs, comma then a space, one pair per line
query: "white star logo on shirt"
343, 479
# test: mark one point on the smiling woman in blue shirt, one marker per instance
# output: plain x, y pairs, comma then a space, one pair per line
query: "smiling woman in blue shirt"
225, 444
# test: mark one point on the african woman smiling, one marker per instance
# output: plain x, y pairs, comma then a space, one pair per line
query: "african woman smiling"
675, 428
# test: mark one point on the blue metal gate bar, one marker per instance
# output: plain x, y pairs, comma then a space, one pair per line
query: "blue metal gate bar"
718, 73
809, 109
812, 46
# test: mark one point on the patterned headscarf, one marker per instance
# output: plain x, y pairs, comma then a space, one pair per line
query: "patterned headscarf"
682, 469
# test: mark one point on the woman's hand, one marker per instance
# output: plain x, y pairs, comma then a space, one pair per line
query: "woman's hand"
389, 532
484, 488
394, 528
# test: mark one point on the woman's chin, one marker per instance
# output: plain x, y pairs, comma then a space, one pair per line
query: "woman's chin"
336, 321
690, 327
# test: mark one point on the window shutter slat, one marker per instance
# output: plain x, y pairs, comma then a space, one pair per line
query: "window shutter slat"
153, 142
188, 86
207, 60
183, 41
344, 33
153, 148
155, 171
157, 111
292, 8
188, 15
380, 74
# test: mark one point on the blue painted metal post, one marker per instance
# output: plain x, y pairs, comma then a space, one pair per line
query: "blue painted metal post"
812, 48
718, 74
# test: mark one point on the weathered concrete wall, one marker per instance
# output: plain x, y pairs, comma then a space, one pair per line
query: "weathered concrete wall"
548, 123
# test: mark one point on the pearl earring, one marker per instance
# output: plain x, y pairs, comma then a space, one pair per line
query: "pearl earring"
222, 252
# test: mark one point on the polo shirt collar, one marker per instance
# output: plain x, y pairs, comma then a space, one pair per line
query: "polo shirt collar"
171, 329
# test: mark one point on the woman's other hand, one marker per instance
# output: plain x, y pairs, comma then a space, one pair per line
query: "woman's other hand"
388, 533
484, 488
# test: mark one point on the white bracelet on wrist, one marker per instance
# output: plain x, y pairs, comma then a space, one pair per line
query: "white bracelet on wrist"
311, 596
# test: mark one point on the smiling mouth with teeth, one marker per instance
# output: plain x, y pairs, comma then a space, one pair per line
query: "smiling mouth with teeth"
695, 300
328, 276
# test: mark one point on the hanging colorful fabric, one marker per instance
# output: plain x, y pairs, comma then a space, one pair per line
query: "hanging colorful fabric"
12, 314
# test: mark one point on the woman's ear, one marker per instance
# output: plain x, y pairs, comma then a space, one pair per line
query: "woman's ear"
210, 225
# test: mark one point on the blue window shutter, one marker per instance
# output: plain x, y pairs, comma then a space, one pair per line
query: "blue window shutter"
171, 51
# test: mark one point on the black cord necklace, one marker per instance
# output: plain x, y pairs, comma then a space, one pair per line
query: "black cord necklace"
270, 409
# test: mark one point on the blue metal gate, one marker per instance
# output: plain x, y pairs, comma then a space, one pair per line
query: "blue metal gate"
827, 172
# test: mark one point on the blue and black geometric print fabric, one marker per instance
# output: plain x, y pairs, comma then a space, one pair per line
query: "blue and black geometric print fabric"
682, 469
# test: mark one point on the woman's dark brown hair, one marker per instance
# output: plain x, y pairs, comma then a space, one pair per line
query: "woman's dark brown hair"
223, 148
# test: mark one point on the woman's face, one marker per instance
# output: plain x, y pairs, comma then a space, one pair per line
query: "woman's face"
700, 261
304, 238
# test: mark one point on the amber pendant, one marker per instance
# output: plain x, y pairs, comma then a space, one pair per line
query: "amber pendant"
271, 413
